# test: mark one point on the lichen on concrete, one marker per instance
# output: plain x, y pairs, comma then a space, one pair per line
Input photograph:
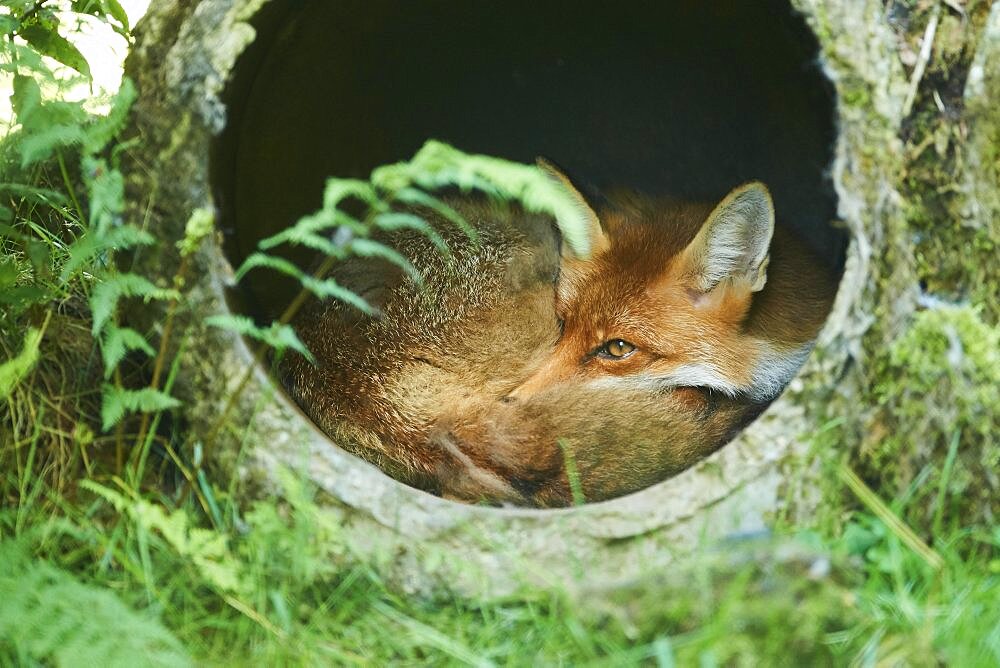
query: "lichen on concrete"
924, 374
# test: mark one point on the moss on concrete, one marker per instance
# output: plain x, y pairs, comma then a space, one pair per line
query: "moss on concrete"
955, 250
925, 375
937, 413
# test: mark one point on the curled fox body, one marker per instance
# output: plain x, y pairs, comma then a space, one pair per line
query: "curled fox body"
515, 357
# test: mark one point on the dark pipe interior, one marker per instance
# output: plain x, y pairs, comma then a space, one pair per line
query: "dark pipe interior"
682, 98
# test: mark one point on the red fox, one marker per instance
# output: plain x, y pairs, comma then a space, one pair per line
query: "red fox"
685, 295
517, 366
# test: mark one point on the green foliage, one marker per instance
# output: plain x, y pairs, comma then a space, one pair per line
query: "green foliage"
205, 549
94, 249
50, 616
336, 234
438, 165
938, 409
13, 370
278, 337
117, 342
39, 27
106, 295
117, 401
74, 249
321, 287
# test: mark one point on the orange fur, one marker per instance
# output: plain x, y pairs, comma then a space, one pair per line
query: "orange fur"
474, 387
644, 286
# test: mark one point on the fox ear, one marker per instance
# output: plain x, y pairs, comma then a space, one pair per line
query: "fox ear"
734, 241
582, 234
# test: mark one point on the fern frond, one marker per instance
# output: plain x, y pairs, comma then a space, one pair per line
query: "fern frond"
33, 193
51, 617
300, 237
369, 248
206, 549
27, 97
437, 165
117, 342
92, 244
41, 144
104, 128
107, 193
393, 221
314, 226
328, 287
307, 226
116, 402
278, 336
417, 197
105, 296
263, 260
337, 190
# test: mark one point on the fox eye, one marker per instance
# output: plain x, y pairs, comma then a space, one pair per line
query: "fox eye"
616, 349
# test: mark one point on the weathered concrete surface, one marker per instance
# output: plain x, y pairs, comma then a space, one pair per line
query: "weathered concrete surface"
183, 57
982, 98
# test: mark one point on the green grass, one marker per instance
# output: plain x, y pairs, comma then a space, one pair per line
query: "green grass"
275, 583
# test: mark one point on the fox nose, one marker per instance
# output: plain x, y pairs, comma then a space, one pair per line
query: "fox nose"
559, 366
540, 381
522, 391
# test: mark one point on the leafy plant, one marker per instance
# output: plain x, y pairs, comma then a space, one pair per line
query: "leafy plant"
47, 615
392, 200
338, 235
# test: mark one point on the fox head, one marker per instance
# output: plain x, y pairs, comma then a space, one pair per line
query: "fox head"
664, 296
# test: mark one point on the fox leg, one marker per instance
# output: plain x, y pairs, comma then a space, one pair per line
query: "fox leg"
618, 443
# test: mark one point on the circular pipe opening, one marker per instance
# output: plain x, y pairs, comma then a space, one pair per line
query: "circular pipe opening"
687, 99
187, 63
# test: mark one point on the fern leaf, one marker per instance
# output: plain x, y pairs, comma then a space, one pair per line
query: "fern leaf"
117, 342
205, 548
105, 296
394, 220
437, 165
26, 99
314, 226
42, 143
263, 260
328, 287
104, 128
369, 248
300, 237
116, 402
307, 225
14, 370
92, 244
33, 194
278, 336
52, 618
337, 190
107, 193
420, 198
